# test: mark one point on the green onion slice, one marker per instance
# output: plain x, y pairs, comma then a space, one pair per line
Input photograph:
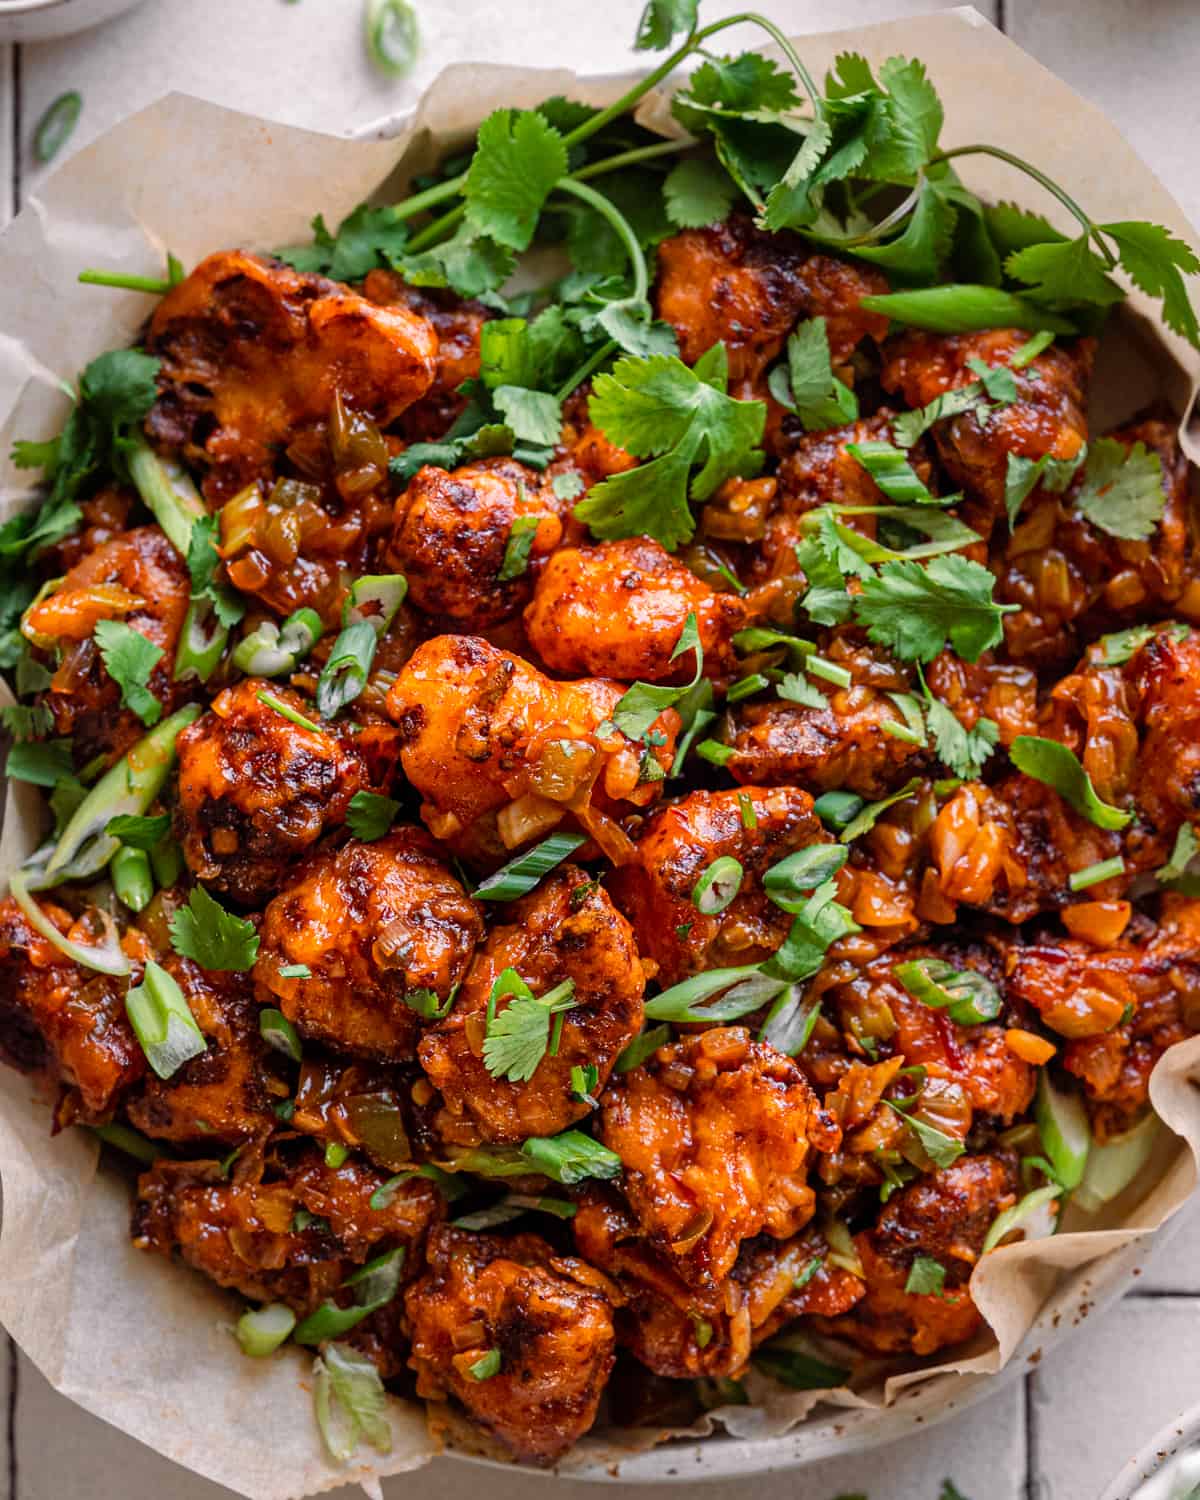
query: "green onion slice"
519, 876
350, 1402
518, 548
393, 37
790, 1021
1062, 1123
278, 1032
57, 125
345, 674
376, 1284
1114, 1165
286, 711
968, 997
1104, 869
105, 958
159, 1014
1006, 1222
790, 882
168, 493
644, 1045
718, 886
131, 1142
570, 1157
742, 990
486, 1366
270, 649
838, 808
373, 600
261, 1330
1058, 767
201, 642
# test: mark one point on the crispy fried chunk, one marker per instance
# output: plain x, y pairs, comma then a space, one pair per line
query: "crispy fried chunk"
483, 729
225, 1094
374, 924
62, 1021
254, 353
619, 609
713, 1132
256, 790
678, 845
738, 285
567, 929
139, 579
1049, 417
451, 533
548, 1317
944, 1216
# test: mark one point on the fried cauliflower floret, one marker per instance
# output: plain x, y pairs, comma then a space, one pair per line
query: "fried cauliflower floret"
990, 1078
567, 929
687, 1333
62, 1021
740, 286
256, 790
451, 532
1004, 692
373, 923
254, 353
846, 744
483, 729
1120, 1005
1073, 580
287, 1231
225, 1094
458, 323
678, 845
1049, 417
548, 1316
139, 579
944, 1216
714, 1136
619, 609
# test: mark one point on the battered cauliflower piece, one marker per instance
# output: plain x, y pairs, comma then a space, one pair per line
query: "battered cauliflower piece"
1049, 417
62, 1021
944, 1216
451, 532
1119, 1005
675, 848
548, 1317
713, 1132
688, 1333
256, 790
743, 287
1073, 580
618, 610
483, 729
254, 353
287, 1230
566, 929
377, 925
225, 1094
458, 324
139, 579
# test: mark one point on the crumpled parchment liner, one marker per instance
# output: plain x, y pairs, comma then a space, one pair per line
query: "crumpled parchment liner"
146, 1345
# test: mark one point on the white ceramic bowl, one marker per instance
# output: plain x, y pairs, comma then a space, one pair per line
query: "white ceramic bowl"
1177, 1437
38, 20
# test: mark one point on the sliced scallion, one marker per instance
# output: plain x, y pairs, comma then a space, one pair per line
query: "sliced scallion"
1111, 1167
746, 687
1004, 1223
1104, 869
105, 958
715, 752
271, 650
261, 1330
164, 1025
131, 1142
393, 38
345, 674
718, 886
169, 494
570, 1157
350, 1402
1062, 1123
644, 1045
968, 997
132, 880
790, 882
486, 1365
519, 876
279, 1033
817, 666
57, 125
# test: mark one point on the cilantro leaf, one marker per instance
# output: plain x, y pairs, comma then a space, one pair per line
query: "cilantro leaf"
807, 384
518, 1036
909, 426
1011, 228
468, 263
698, 192
658, 406
963, 751
1155, 261
137, 832
26, 721
926, 1277
913, 610
795, 687
203, 562
368, 238
749, 83
518, 160
663, 20
211, 936
1057, 766
1063, 273
369, 815
641, 704
942, 1150
43, 763
1023, 475
921, 250
1122, 491
129, 658
532, 416
998, 381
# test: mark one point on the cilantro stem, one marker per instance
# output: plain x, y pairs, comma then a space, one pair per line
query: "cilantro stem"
631, 158
1091, 229
118, 279
621, 227
433, 232
589, 367
752, 18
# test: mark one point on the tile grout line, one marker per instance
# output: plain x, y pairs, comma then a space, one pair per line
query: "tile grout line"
11, 1425
16, 129
1032, 1487
1002, 15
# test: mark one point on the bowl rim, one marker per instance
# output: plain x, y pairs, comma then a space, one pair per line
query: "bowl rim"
29, 7
1181, 1433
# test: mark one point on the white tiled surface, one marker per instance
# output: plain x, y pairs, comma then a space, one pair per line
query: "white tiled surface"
1062, 1433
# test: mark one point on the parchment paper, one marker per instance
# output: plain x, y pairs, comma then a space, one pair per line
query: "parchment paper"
146, 1345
